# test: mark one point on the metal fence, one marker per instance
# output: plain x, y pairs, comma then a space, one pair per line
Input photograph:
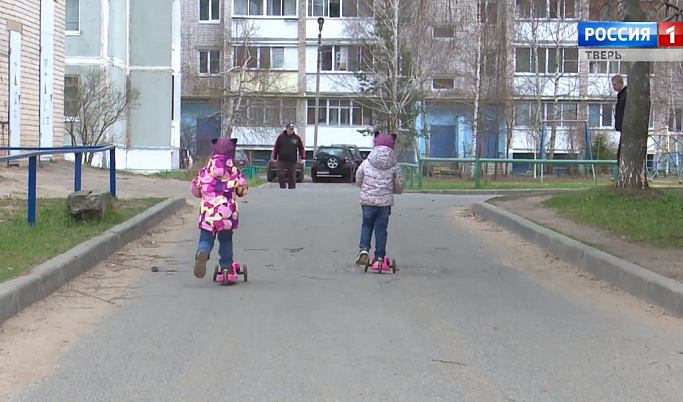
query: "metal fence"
411, 170
33, 153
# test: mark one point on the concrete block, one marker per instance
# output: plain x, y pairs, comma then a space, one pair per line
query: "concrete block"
19, 293
88, 204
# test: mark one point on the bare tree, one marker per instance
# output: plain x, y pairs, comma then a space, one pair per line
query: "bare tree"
244, 80
634, 137
96, 105
396, 53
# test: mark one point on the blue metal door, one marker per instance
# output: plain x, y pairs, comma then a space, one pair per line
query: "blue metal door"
443, 142
489, 143
208, 128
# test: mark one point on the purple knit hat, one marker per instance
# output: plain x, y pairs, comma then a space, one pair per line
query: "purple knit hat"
387, 140
224, 146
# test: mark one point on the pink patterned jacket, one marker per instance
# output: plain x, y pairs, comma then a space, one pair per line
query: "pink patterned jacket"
217, 185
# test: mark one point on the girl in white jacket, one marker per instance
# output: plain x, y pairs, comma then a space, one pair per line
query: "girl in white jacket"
379, 178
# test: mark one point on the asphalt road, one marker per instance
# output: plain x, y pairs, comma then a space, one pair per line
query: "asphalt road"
457, 323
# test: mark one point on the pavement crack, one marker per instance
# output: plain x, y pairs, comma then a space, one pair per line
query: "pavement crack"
449, 362
388, 282
294, 250
317, 278
93, 296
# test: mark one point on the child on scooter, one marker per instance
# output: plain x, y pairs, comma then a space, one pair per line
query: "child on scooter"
217, 184
379, 178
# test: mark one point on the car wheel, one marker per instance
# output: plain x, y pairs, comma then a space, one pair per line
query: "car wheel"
271, 178
314, 178
300, 178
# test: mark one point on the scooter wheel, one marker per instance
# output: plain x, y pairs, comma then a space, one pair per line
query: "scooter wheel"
215, 273
225, 277
393, 266
380, 266
244, 272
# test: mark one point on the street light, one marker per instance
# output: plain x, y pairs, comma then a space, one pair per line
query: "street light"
321, 21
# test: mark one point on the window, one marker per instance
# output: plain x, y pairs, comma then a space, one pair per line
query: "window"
259, 58
488, 12
71, 102
209, 10
338, 112
490, 63
600, 115
344, 58
553, 9
339, 8
525, 113
267, 112
443, 83
209, 61
73, 15
274, 8
443, 31
608, 67
605, 10
547, 60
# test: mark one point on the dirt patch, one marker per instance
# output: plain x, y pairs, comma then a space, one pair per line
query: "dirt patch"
664, 262
56, 179
31, 342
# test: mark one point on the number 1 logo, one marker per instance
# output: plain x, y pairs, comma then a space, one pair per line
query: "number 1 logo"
670, 34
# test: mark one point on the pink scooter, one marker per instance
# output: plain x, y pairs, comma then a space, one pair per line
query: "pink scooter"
226, 277
384, 264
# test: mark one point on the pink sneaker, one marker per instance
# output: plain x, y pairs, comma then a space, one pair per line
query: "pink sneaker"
375, 264
386, 264
236, 269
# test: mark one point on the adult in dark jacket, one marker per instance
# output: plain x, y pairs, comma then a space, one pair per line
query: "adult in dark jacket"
620, 88
288, 146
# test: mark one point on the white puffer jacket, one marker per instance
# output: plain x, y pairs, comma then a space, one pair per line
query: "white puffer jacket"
379, 178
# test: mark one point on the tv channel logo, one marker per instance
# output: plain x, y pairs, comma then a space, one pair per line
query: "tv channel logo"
670, 34
618, 34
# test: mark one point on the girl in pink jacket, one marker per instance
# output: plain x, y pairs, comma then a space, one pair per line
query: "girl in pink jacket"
217, 184
379, 178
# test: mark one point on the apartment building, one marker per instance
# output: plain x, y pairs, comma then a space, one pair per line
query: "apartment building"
582, 89
249, 67
31, 73
528, 58
137, 44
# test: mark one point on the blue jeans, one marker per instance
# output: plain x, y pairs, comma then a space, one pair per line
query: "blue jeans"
375, 219
206, 242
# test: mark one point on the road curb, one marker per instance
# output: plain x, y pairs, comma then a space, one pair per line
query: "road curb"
631, 278
19, 293
495, 192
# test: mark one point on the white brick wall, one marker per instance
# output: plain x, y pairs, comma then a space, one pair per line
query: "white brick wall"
24, 16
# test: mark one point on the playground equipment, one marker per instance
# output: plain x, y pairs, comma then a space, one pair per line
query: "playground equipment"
566, 130
666, 148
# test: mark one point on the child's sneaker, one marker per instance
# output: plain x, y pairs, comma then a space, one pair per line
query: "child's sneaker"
236, 268
200, 263
375, 264
362, 258
386, 264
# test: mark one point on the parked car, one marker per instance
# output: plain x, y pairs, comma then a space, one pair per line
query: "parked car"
334, 161
241, 159
357, 157
272, 171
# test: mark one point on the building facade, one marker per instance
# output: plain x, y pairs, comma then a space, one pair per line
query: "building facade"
522, 75
264, 53
137, 44
31, 73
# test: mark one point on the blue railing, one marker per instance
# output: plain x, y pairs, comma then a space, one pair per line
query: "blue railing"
33, 153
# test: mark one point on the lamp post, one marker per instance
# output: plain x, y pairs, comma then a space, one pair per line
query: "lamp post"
321, 21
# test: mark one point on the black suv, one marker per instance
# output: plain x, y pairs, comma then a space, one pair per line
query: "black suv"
357, 157
334, 161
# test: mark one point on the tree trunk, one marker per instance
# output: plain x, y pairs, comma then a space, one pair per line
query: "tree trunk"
632, 161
